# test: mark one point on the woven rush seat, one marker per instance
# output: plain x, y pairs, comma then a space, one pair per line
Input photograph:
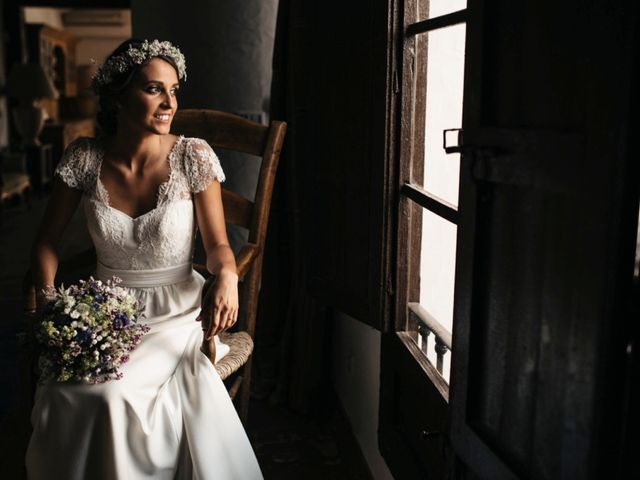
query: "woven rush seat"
241, 346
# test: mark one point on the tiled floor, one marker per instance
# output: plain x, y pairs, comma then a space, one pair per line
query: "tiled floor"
288, 445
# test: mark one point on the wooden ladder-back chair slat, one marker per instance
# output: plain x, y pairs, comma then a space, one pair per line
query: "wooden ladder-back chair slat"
225, 130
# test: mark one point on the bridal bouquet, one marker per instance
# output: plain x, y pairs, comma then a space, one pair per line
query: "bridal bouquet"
87, 331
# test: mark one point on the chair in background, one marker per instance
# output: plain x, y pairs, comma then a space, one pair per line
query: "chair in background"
14, 180
230, 132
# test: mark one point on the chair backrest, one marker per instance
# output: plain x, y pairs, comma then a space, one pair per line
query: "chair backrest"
231, 132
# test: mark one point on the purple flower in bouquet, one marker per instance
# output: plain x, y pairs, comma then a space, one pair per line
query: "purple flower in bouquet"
88, 330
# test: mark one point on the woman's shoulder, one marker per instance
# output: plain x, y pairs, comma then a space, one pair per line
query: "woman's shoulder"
201, 163
195, 144
196, 151
83, 144
77, 164
80, 152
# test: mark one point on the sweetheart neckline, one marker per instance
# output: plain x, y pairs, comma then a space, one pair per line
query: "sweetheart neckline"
162, 186
154, 209
133, 219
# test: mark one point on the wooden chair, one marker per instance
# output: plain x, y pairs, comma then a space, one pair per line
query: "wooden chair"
14, 180
230, 132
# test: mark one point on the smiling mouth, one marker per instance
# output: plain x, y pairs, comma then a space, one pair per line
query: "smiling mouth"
164, 117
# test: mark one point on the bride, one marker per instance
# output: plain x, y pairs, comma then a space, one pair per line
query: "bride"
144, 192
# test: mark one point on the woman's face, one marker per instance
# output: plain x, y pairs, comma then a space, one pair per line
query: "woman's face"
149, 102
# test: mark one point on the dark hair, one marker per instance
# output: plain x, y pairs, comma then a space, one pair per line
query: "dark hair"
109, 93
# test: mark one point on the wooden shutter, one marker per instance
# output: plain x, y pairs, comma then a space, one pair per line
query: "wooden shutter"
545, 244
342, 151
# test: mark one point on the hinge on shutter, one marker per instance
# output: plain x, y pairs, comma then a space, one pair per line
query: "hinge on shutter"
389, 287
453, 142
395, 82
542, 159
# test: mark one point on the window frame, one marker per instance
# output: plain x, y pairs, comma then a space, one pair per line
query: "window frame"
414, 397
413, 198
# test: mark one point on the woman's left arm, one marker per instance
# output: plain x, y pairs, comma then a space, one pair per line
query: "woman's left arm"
220, 303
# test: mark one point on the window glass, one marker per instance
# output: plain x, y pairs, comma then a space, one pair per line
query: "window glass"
443, 7
437, 274
445, 78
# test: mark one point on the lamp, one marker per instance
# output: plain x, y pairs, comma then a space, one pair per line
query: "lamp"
29, 83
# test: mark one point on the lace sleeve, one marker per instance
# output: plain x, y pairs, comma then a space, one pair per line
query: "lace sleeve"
73, 168
202, 165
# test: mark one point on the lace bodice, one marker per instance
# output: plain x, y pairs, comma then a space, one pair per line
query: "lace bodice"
162, 237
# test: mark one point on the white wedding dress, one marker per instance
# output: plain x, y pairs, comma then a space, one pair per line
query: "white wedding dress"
170, 416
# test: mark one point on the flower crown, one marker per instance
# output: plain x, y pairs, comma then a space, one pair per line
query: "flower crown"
118, 64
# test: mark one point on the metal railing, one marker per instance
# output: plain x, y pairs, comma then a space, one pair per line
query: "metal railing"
424, 324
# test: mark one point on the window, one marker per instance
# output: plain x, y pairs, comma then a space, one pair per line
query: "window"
427, 78
433, 74
541, 318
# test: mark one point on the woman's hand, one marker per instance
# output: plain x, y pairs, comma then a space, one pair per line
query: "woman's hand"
219, 303
41, 297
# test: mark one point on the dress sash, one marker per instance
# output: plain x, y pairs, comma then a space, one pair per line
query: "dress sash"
156, 277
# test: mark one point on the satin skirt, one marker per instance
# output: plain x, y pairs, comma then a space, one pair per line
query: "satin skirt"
169, 417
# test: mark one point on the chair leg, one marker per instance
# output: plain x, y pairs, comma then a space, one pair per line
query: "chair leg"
245, 392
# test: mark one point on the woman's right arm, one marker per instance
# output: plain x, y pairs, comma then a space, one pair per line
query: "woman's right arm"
44, 259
